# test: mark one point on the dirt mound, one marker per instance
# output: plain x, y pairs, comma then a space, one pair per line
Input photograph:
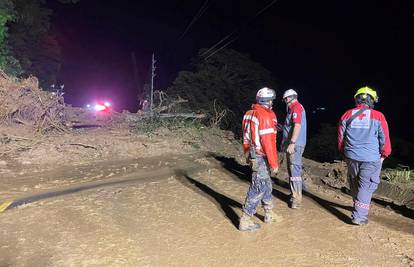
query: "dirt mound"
335, 175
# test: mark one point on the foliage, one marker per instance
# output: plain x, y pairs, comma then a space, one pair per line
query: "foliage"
227, 79
220, 116
26, 47
402, 174
6, 15
151, 124
27, 38
7, 62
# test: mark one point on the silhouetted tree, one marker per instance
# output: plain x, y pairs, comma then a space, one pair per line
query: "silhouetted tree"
26, 47
7, 15
229, 77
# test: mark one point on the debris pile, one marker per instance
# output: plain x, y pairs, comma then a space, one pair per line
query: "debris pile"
23, 102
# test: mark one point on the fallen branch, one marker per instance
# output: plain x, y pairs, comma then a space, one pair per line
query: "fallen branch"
22, 121
170, 106
83, 145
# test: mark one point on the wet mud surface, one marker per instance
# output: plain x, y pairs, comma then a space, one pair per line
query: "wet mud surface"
184, 211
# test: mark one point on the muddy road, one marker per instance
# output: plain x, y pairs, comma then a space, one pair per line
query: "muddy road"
184, 211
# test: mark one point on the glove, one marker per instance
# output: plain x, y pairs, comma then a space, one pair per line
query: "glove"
274, 171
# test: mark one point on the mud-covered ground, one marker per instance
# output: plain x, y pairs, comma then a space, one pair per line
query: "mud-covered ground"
178, 207
184, 213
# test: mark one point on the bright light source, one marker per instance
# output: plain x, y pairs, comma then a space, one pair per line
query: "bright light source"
107, 104
88, 105
99, 107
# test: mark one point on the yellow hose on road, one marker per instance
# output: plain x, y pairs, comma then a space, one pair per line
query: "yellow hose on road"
5, 205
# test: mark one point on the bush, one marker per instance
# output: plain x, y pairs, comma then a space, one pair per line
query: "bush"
8, 63
149, 125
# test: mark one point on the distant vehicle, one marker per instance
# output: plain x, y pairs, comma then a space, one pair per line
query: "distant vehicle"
100, 106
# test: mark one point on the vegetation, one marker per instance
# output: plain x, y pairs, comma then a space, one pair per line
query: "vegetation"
226, 81
26, 46
150, 125
7, 62
402, 174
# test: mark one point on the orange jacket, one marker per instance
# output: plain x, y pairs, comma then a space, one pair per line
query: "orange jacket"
259, 131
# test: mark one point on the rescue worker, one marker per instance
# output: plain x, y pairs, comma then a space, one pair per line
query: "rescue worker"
259, 146
293, 143
364, 140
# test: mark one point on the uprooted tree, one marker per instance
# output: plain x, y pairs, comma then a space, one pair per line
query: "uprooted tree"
228, 80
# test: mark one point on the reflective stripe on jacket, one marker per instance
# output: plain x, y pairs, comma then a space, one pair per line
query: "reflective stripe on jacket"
259, 131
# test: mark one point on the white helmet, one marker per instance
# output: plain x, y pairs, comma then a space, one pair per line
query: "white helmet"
264, 95
289, 92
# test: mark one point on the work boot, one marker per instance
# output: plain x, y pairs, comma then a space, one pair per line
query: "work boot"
294, 204
270, 217
246, 224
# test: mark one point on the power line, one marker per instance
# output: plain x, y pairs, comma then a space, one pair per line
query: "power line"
235, 30
235, 38
222, 40
222, 47
200, 12
264, 9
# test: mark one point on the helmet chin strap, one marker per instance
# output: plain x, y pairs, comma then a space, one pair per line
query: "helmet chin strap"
290, 101
367, 101
267, 105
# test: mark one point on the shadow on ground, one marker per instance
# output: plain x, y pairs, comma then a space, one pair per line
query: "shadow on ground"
224, 203
243, 173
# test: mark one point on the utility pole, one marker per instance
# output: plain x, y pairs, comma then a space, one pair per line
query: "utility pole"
152, 82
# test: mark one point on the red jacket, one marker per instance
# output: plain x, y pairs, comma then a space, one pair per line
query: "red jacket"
259, 130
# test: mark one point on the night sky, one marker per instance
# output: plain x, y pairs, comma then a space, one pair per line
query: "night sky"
323, 49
